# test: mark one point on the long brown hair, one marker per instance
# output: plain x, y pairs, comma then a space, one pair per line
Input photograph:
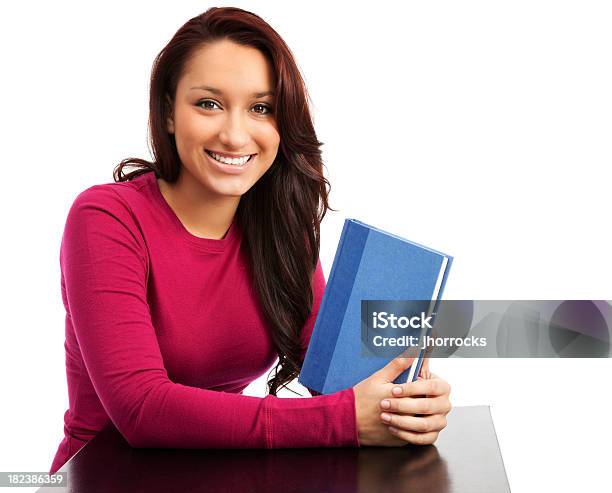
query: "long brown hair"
280, 215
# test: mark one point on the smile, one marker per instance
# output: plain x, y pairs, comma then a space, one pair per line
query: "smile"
233, 161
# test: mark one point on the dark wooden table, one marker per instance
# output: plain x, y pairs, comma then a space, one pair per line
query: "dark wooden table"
466, 458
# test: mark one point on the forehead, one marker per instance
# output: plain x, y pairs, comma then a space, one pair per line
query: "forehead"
228, 66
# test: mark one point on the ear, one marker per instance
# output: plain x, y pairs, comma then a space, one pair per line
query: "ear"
170, 112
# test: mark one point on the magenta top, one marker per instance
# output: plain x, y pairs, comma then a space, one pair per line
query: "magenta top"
164, 331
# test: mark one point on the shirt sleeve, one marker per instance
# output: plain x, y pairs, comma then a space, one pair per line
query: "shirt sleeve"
104, 265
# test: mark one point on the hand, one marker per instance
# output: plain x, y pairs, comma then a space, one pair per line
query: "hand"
417, 411
368, 396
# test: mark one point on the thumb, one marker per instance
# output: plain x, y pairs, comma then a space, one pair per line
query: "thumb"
394, 368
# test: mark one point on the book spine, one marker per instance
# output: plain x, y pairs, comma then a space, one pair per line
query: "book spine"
341, 291
319, 354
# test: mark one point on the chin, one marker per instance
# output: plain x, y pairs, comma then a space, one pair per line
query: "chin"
232, 191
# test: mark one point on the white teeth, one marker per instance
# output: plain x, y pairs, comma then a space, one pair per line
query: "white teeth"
235, 161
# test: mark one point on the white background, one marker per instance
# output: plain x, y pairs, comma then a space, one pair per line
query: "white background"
482, 129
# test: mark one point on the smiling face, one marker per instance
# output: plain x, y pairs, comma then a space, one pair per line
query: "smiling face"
223, 120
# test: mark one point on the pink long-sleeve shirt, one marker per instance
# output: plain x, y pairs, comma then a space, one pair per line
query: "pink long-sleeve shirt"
164, 331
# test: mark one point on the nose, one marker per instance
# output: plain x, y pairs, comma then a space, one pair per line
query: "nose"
234, 133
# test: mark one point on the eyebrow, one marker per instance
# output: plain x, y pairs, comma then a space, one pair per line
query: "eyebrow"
219, 92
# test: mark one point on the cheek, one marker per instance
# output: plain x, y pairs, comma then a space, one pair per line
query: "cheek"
190, 129
268, 138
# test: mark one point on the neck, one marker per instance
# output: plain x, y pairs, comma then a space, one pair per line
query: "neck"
203, 214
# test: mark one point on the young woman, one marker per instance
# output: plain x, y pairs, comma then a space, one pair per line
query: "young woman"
186, 279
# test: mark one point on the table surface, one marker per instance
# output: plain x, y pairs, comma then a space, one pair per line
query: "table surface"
465, 458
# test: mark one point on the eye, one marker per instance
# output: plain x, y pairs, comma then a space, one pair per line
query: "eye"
207, 104
262, 109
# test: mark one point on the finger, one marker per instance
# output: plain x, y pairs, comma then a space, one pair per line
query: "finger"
433, 376
414, 438
425, 373
416, 405
394, 368
431, 387
435, 422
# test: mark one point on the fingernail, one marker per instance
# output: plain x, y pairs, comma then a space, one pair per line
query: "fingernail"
397, 390
392, 430
385, 404
385, 417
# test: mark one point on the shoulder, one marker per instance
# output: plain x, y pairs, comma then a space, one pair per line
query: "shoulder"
114, 196
122, 199
108, 210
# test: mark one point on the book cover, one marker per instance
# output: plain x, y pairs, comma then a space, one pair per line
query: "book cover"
374, 266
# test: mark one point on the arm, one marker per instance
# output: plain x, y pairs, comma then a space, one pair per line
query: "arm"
104, 264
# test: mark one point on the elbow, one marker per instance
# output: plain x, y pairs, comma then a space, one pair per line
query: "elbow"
135, 437
141, 427
147, 436
136, 426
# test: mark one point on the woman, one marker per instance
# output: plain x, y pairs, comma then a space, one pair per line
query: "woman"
185, 279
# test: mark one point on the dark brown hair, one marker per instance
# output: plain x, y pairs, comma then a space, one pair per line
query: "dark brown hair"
280, 215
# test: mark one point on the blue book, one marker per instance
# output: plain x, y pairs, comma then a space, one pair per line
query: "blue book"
371, 268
